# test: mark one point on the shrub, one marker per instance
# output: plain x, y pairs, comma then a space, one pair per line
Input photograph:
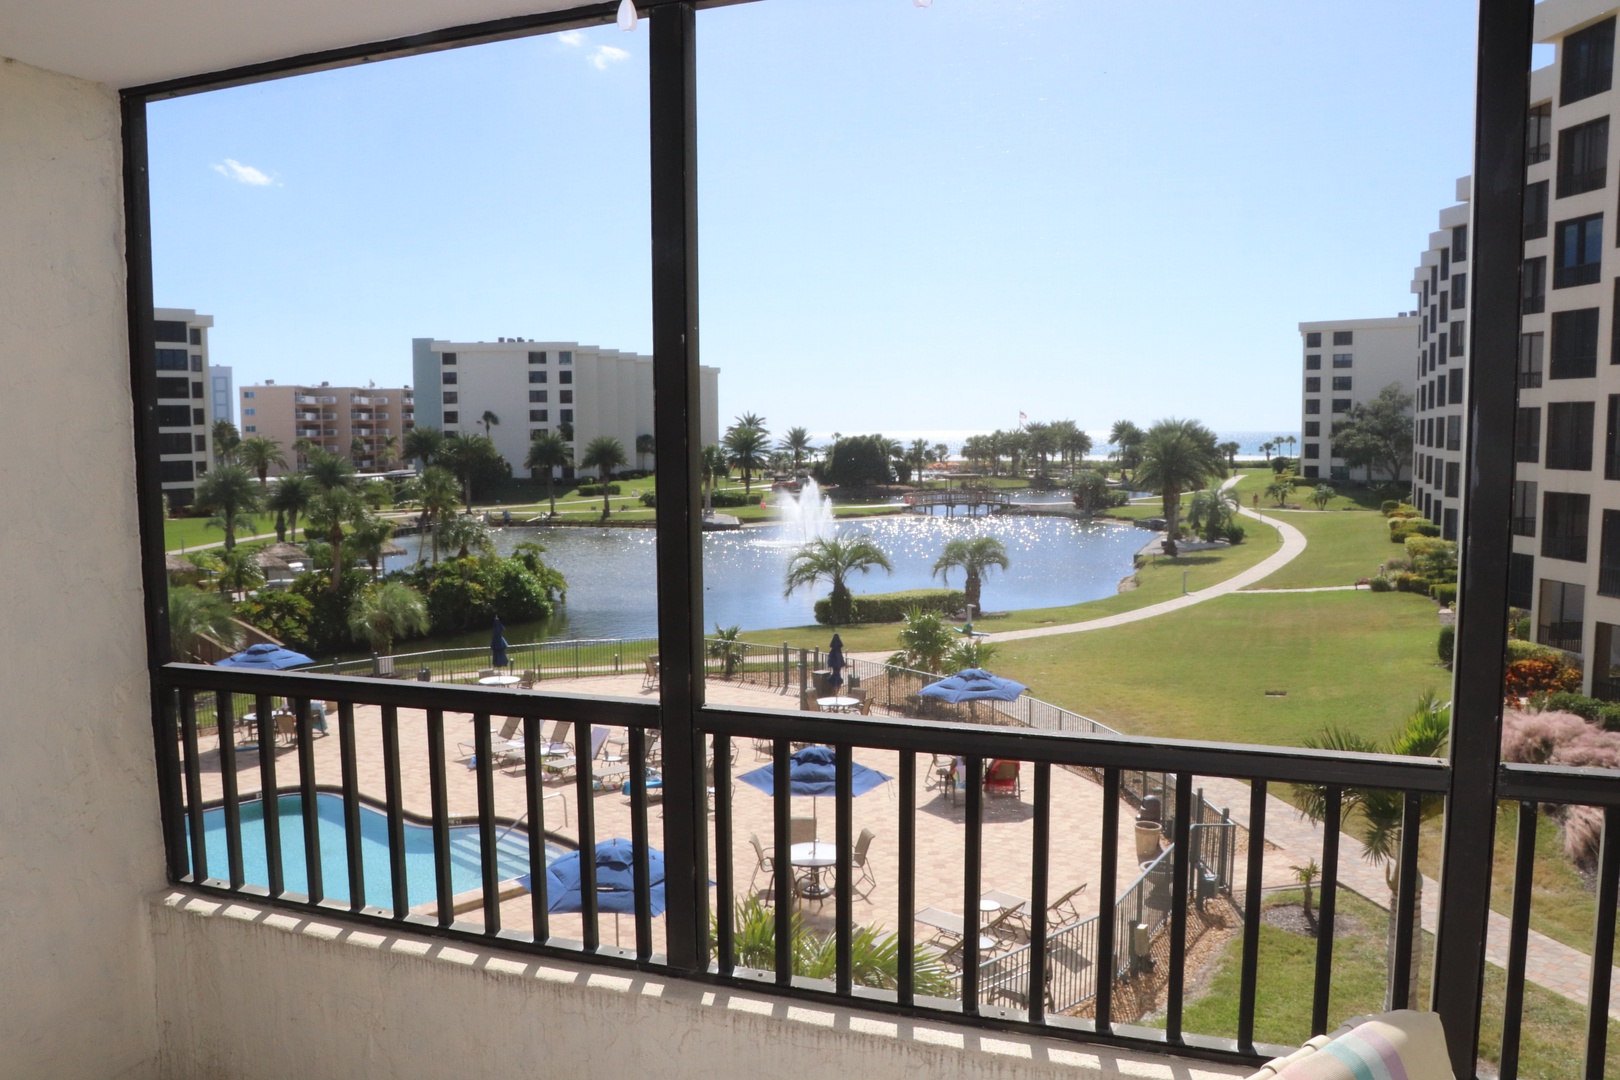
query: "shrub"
1447, 643
892, 607
1381, 583
1402, 528
1399, 509
720, 499
1521, 629
1529, 650
1582, 706
1389, 506
589, 490
1415, 583
1445, 593
1562, 738
1526, 677
1396, 564
283, 615
1235, 533
1608, 715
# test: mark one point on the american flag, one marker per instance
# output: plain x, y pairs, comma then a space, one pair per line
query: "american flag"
1023, 416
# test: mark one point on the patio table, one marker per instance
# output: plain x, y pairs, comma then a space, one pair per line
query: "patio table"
814, 856
838, 704
499, 680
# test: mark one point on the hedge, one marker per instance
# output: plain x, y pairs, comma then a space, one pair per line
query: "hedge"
1401, 528
1529, 650
1447, 643
892, 607
1445, 593
720, 499
596, 489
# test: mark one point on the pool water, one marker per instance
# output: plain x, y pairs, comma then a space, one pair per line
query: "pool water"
512, 851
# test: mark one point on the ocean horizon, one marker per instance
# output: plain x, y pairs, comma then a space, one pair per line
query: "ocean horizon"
1248, 441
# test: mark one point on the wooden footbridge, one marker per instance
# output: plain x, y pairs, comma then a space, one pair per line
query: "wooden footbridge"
970, 502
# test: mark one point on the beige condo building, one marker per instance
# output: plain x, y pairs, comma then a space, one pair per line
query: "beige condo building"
332, 418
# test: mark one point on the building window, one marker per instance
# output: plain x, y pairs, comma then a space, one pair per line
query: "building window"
565, 357
1313, 384
1343, 359
1453, 472
565, 376
537, 358
1437, 391
1313, 427
1445, 309
200, 446
1587, 62
247, 393
1560, 614
1313, 407
198, 418
173, 472
196, 363
1442, 350
452, 417
1312, 472
1527, 435
1611, 442
250, 429
1533, 298
1535, 210
1563, 525
1538, 139
1344, 337
1521, 580
1313, 340
1530, 346
1341, 382
1457, 338
1313, 361
170, 330
249, 412
447, 358
1338, 472
1456, 397
172, 360
566, 416
538, 415
1609, 555
1445, 266
452, 397
177, 442
1569, 435
171, 388
1524, 508
1574, 344
565, 397
537, 376
537, 396
1459, 291
1453, 433
1583, 157
1341, 404
1313, 450
1578, 252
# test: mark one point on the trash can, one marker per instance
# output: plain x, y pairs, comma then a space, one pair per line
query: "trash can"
821, 683
424, 675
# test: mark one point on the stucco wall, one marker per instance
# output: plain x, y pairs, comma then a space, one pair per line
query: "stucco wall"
250, 994
79, 838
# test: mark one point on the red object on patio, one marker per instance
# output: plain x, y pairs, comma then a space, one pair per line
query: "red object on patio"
1001, 778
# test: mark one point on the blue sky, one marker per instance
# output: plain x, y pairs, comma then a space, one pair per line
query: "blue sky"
910, 218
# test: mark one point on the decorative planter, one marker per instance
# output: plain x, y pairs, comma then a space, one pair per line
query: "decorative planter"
1148, 834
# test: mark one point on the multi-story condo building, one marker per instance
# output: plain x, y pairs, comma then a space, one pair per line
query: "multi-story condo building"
1565, 567
1440, 284
1347, 362
185, 442
354, 421
531, 387
221, 398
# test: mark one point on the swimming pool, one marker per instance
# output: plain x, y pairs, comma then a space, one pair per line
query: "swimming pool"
512, 851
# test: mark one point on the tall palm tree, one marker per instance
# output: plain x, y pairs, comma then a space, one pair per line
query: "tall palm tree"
388, 452
1230, 448
230, 494
259, 454
547, 451
712, 467
357, 449
239, 571
386, 612
489, 420
289, 498
1379, 812
746, 447
645, 444
797, 443
367, 538
919, 454
226, 439
1042, 442
302, 448
336, 504
424, 444
194, 614
1177, 456
1127, 439
753, 420
833, 559
975, 558
439, 495
604, 453
1291, 440
1211, 512
465, 455
467, 534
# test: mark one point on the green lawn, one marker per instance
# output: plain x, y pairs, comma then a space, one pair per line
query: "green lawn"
1203, 672
188, 533
1158, 579
1351, 496
1552, 1034
1340, 549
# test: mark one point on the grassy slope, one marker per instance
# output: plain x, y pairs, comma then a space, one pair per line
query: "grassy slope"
1339, 549
189, 533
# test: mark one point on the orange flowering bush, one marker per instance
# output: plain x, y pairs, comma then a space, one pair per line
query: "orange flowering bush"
1527, 677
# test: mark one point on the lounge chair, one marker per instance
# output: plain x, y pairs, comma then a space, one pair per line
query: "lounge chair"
505, 741
1001, 778
1015, 908
649, 681
1063, 911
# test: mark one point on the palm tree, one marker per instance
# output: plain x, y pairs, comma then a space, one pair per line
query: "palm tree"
925, 642
1280, 488
466, 455
1380, 812
258, 454
1127, 439
386, 612
388, 452
357, 449
547, 451
335, 505
1211, 513
1073, 443
726, 647
975, 557
424, 444
1291, 440
918, 454
230, 494
1323, 495
604, 454
290, 498
834, 559
226, 440
753, 420
1042, 441
746, 446
1177, 456
1230, 449
712, 467
797, 443
368, 537
467, 534
1266, 448
489, 420
239, 571
645, 444
439, 495
193, 615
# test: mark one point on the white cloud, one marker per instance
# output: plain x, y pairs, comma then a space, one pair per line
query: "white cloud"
572, 37
242, 174
605, 55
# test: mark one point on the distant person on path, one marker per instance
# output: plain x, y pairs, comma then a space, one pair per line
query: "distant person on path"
1257, 500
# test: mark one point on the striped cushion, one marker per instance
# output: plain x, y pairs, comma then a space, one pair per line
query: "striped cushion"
1401, 1045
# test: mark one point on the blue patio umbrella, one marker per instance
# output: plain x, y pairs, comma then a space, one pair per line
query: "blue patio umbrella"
265, 657
813, 771
615, 882
974, 684
836, 662
497, 643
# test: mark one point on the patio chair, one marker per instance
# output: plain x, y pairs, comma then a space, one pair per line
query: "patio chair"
1015, 909
861, 864
1062, 911
764, 749
530, 677
801, 830
649, 681
1001, 778
763, 862
503, 741
286, 726
486, 673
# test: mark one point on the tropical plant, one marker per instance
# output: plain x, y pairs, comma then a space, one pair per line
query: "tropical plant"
1211, 513
859, 461
387, 612
1306, 876
437, 493
604, 454
334, 506
357, 449
1230, 449
290, 498
1090, 491
193, 615
725, 647
467, 535
474, 461
239, 572
489, 420
712, 467
833, 559
1323, 495
368, 537
925, 642
975, 558
259, 454
753, 420
797, 443
1127, 440
1177, 456
388, 452
1379, 813
970, 652
548, 452
645, 444
746, 446
874, 955
424, 444
226, 438
1280, 488
229, 493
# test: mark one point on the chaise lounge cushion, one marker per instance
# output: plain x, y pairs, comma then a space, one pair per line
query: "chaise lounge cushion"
1400, 1045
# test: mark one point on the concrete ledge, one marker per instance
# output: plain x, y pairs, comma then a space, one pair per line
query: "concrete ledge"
251, 992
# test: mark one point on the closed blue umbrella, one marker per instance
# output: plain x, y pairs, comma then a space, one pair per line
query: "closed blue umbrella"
497, 643
836, 662
265, 657
813, 771
974, 684
615, 880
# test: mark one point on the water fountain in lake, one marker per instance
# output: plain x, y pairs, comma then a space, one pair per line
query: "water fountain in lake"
806, 516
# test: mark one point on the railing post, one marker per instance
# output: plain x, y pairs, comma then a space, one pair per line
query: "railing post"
1502, 103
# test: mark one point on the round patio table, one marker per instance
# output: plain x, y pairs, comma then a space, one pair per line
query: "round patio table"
815, 857
838, 704
499, 680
